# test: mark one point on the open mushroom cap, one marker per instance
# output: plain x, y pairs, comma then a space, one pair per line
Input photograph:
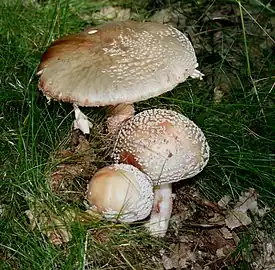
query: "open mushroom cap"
119, 62
121, 192
164, 144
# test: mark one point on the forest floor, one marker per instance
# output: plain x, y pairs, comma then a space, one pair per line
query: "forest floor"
222, 219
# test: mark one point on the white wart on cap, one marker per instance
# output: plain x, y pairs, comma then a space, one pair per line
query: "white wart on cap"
121, 192
164, 144
119, 62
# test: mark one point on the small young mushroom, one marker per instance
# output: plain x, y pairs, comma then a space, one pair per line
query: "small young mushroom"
121, 192
116, 63
168, 147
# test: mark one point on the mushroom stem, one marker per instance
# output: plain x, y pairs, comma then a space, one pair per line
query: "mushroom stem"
119, 114
81, 121
161, 212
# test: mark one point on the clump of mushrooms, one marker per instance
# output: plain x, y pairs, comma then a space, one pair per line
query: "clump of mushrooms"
168, 147
116, 63
121, 192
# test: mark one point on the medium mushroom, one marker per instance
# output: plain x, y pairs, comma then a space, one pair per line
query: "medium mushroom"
168, 147
116, 63
121, 192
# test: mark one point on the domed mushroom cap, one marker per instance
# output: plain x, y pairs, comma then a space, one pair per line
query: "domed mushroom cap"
164, 144
119, 62
121, 192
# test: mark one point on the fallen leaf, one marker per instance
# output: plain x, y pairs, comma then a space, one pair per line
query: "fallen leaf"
239, 215
180, 257
55, 227
111, 13
248, 201
174, 17
224, 251
265, 258
226, 233
224, 201
236, 218
198, 225
162, 16
73, 164
216, 219
167, 262
218, 94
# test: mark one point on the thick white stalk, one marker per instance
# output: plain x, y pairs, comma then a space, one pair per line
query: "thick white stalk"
161, 212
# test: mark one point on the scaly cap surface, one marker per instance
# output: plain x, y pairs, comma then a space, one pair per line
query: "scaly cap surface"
119, 62
164, 144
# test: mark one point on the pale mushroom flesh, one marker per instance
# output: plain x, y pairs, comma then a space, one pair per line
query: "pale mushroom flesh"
121, 192
168, 147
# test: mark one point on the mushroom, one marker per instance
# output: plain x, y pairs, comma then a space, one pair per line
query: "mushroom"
168, 147
116, 63
121, 192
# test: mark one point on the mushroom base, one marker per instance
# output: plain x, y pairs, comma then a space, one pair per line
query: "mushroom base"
161, 212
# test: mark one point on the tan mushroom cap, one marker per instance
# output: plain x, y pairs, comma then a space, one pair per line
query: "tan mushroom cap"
121, 192
164, 144
119, 62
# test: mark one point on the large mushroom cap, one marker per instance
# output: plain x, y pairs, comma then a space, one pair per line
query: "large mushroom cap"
164, 144
121, 192
120, 62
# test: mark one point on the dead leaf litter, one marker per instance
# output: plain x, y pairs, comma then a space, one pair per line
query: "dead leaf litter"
205, 235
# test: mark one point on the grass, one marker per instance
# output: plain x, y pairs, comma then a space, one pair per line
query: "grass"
237, 57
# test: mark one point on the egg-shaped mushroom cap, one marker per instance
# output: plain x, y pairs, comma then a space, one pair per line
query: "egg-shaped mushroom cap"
164, 144
121, 192
119, 62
